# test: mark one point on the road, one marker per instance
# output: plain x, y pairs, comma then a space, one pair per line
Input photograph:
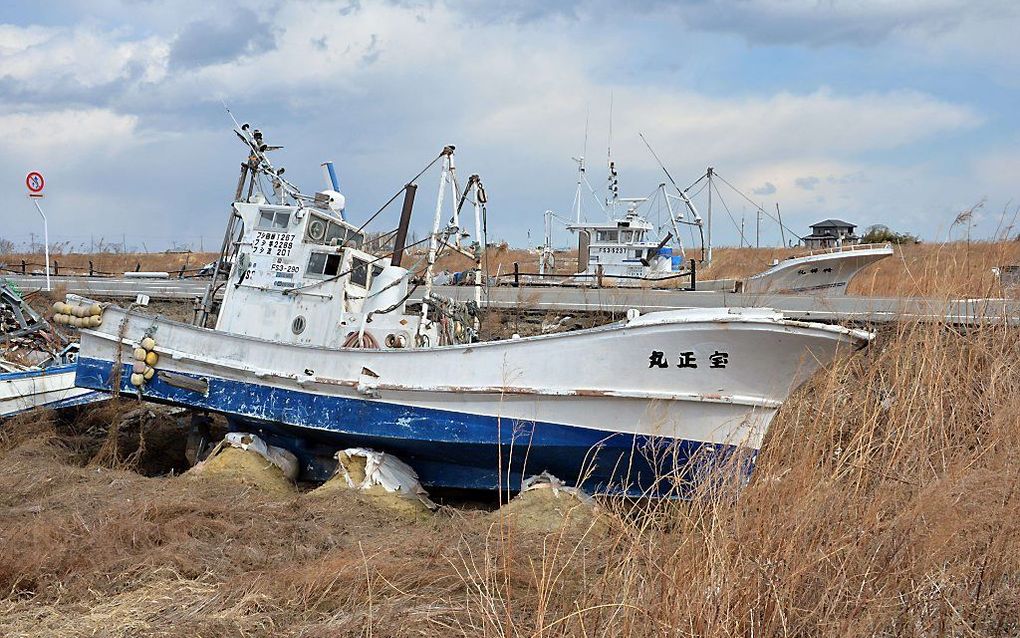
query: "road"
116, 287
561, 299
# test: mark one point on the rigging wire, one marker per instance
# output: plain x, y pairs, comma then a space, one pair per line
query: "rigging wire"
756, 206
401, 190
730, 215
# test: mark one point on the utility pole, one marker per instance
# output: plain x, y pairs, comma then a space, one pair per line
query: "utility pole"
782, 231
757, 229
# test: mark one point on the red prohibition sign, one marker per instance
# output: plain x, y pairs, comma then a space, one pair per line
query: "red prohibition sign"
35, 181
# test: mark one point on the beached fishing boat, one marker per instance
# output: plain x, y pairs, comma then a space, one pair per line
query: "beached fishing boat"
315, 349
827, 271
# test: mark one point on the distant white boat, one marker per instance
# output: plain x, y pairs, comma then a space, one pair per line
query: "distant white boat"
624, 249
827, 271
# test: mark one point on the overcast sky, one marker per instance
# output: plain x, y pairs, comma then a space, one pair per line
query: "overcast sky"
902, 112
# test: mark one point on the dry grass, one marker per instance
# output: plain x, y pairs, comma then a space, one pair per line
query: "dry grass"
884, 503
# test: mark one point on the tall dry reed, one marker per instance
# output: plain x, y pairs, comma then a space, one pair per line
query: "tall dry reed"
884, 503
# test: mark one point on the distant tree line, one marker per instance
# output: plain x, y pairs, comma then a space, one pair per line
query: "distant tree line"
880, 234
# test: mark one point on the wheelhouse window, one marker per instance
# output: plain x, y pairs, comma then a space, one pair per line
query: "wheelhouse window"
342, 236
323, 265
323, 231
625, 236
276, 220
359, 272
607, 235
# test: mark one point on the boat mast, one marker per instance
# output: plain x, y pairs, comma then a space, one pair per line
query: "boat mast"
682, 193
248, 174
672, 219
708, 244
479, 202
546, 250
444, 178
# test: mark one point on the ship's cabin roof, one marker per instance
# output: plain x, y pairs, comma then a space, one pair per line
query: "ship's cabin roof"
629, 230
319, 225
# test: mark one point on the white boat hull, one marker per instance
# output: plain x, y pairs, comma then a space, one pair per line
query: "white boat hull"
449, 411
50, 388
829, 272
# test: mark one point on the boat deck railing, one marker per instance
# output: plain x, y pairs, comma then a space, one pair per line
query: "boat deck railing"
846, 248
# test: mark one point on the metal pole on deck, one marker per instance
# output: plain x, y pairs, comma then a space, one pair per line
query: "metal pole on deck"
400, 241
479, 201
247, 170
434, 237
708, 252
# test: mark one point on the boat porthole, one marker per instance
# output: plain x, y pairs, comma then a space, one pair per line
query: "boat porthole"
298, 325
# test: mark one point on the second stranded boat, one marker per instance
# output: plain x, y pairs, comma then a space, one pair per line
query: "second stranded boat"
315, 349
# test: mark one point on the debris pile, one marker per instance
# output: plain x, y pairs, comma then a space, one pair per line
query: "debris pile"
384, 478
25, 337
546, 504
247, 459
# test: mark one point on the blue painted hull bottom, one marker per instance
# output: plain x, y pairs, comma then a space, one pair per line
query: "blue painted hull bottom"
447, 449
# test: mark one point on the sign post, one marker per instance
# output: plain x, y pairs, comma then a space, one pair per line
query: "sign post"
35, 182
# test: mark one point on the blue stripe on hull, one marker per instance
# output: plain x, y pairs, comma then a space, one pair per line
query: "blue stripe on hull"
446, 448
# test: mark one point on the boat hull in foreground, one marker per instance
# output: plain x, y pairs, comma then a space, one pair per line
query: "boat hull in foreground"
609, 408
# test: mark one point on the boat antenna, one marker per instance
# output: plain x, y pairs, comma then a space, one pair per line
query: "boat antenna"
227, 109
614, 182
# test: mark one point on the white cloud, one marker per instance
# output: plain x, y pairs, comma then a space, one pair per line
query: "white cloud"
62, 60
78, 132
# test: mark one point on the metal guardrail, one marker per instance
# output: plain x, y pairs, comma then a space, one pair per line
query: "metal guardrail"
56, 270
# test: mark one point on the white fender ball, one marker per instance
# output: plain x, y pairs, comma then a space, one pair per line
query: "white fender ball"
137, 380
139, 354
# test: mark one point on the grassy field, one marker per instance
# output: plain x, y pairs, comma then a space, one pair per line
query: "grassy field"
884, 503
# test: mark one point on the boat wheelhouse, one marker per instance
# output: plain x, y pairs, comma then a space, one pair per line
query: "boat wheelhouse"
622, 248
